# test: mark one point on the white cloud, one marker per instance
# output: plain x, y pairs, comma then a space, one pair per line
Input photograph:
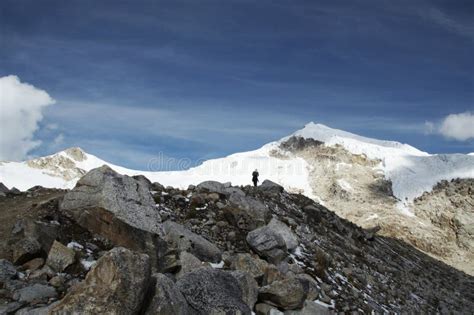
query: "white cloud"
458, 126
21, 106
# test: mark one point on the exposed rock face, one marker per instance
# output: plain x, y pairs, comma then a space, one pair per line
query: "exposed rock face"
115, 285
267, 244
212, 291
186, 240
167, 299
449, 206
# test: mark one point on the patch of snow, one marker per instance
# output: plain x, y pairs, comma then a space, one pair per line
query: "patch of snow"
332, 305
372, 217
405, 209
87, 264
75, 245
344, 185
218, 265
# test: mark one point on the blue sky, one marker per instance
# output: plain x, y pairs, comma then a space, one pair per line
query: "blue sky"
203, 79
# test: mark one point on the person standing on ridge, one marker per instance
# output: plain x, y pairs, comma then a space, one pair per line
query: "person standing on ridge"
255, 177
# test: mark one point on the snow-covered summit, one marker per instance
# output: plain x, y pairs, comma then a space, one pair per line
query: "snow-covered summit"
356, 144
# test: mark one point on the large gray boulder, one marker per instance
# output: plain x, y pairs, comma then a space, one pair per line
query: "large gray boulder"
128, 199
270, 187
290, 238
213, 291
167, 299
267, 244
286, 294
115, 285
213, 186
118, 208
185, 240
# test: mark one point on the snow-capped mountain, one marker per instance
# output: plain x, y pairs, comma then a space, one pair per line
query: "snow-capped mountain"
370, 182
410, 170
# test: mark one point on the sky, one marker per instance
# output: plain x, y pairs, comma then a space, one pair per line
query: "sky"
130, 81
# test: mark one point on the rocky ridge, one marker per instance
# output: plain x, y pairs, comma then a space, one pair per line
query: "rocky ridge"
219, 250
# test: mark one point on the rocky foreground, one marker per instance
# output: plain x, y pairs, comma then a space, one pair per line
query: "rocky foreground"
122, 245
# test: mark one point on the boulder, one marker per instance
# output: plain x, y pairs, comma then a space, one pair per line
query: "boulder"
35, 293
126, 198
270, 187
245, 262
267, 244
213, 291
311, 285
7, 270
117, 207
287, 294
248, 287
188, 262
26, 249
212, 186
167, 299
246, 212
60, 257
290, 238
116, 284
31, 238
185, 240
272, 274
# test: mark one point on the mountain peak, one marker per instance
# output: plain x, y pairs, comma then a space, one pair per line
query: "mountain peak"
76, 153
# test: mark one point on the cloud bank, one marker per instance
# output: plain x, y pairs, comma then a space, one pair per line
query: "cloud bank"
458, 126
21, 107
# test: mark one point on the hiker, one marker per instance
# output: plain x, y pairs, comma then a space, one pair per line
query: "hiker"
255, 177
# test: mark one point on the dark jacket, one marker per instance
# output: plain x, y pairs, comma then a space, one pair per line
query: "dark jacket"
255, 176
